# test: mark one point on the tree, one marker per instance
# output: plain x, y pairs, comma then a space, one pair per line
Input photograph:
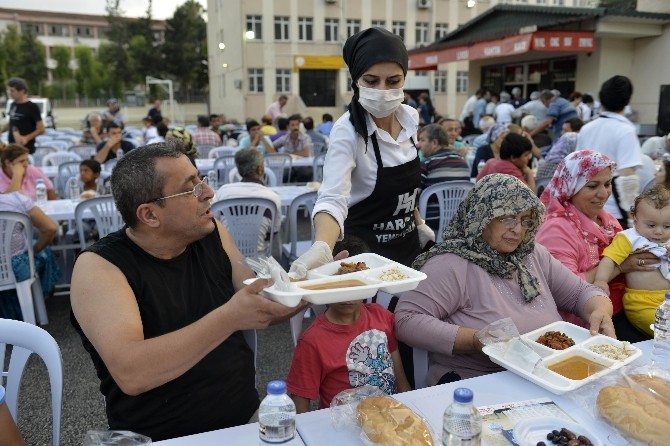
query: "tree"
10, 49
61, 54
115, 61
32, 62
88, 78
185, 48
143, 49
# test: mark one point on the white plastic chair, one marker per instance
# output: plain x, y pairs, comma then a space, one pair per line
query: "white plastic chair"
66, 171
278, 163
26, 339
41, 152
294, 248
85, 151
317, 167
204, 149
223, 165
269, 178
57, 158
29, 292
449, 196
243, 217
103, 210
221, 151
296, 321
318, 148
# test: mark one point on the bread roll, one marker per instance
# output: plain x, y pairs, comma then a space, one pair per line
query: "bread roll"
388, 422
638, 412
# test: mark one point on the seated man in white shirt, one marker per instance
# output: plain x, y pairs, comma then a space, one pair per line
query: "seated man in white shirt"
251, 167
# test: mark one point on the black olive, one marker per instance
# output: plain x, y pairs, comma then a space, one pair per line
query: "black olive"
540, 443
556, 433
550, 436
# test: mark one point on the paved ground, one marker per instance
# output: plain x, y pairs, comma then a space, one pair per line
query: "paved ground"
83, 407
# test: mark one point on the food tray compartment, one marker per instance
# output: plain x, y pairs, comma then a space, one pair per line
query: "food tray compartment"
579, 352
391, 285
372, 261
634, 352
577, 333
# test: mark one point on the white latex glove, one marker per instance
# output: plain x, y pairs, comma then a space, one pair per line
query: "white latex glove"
426, 234
319, 254
628, 188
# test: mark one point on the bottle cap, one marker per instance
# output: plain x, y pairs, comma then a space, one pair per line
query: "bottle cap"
276, 387
463, 395
667, 295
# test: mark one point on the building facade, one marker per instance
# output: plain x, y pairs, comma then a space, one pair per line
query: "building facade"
295, 48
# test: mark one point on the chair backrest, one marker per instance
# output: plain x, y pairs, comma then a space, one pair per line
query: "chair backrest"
449, 196
278, 163
103, 210
8, 222
421, 361
305, 200
651, 183
85, 151
57, 158
223, 165
108, 165
26, 339
61, 145
221, 151
269, 177
469, 139
317, 167
244, 218
204, 149
40, 152
296, 321
319, 148
66, 171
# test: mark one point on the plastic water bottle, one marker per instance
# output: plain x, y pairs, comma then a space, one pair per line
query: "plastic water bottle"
73, 189
481, 165
462, 425
213, 177
40, 192
119, 153
276, 415
660, 355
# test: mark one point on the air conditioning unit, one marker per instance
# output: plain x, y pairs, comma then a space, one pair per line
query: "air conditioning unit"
424, 4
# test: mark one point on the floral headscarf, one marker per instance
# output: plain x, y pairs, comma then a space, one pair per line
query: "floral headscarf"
565, 145
571, 175
184, 136
494, 196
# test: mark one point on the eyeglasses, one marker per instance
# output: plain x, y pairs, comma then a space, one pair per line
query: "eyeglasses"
511, 222
196, 191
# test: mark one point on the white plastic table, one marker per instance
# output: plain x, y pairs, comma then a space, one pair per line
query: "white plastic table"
247, 434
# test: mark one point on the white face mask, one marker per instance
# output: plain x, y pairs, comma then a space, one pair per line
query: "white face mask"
380, 103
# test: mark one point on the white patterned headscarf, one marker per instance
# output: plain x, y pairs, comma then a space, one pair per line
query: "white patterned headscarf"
494, 196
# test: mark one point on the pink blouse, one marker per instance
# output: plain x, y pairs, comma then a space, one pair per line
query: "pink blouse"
29, 181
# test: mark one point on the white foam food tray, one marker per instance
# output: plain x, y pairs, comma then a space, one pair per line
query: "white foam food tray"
530, 431
552, 381
374, 279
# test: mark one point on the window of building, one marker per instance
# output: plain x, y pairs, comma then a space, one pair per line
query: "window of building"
399, 29
353, 26
441, 30
37, 28
462, 82
332, 29
440, 82
283, 80
541, 2
255, 80
282, 28
317, 87
421, 73
421, 33
378, 23
254, 23
83, 31
305, 26
59, 30
559, 2
349, 81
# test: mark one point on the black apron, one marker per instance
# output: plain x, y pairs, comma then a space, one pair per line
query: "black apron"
385, 219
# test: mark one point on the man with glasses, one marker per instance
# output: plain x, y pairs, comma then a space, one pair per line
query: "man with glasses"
160, 304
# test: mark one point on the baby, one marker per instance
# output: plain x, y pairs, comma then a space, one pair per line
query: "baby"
645, 290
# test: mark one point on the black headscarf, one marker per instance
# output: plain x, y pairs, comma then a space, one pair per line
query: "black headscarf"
363, 50
615, 93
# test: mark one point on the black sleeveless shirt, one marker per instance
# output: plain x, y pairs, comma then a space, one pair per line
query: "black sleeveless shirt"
217, 392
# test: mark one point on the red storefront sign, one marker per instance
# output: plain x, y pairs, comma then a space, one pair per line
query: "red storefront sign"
523, 43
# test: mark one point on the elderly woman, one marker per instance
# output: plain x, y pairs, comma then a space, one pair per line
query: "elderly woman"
578, 228
94, 132
19, 176
489, 268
